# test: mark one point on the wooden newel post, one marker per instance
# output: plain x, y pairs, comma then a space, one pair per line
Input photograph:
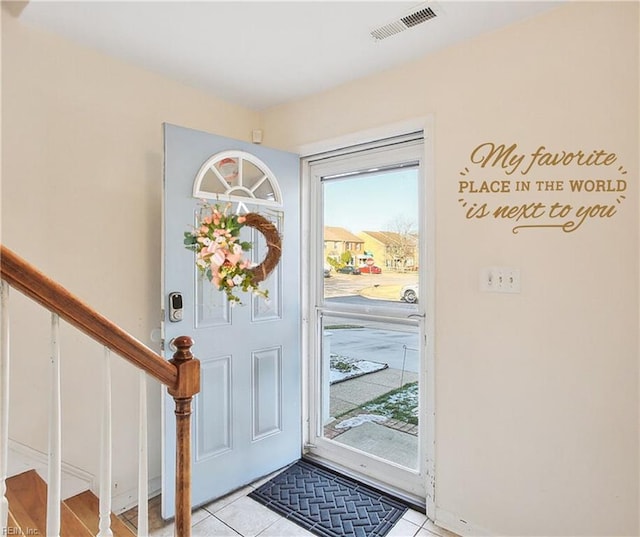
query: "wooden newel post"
187, 386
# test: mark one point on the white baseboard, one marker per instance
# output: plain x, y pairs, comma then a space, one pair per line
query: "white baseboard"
457, 524
23, 458
123, 501
74, 480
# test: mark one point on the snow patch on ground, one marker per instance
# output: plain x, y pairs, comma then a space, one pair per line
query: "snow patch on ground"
359, 420
400, 405
344, 368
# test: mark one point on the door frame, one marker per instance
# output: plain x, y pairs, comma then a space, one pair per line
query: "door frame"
427, 260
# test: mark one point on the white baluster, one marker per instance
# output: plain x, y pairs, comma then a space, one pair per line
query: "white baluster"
55, 426
4, 400
143, 471
105, 450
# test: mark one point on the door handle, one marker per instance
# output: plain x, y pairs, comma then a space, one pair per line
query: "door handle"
421, 315
175, 307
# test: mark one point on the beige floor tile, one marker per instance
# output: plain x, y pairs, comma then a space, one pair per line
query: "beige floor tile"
415, 516
437, 530
247, 516
212, 527
403, 528
218, 504
162, 528
285, 528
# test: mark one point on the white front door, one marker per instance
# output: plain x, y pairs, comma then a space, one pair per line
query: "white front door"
246, 420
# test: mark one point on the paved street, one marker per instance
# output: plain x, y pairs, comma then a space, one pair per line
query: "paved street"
396, 347
388, 283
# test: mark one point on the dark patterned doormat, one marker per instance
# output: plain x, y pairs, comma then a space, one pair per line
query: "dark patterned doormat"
327, 504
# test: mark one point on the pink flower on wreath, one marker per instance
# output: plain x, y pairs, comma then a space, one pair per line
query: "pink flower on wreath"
235, 257
218, 258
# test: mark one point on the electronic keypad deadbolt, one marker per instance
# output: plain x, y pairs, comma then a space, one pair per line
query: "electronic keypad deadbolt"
175, 307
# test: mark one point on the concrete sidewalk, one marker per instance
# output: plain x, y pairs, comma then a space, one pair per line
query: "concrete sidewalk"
384, 442
392, 440
350, 394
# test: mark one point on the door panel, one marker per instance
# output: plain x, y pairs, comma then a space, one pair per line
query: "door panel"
266, 392
249, 404
213, 407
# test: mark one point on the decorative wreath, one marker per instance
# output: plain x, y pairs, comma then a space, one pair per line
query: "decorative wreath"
219, 250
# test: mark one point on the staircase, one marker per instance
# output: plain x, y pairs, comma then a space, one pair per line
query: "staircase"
27, 495
29, 507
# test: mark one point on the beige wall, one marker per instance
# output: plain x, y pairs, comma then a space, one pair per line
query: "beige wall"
81, 199
536, 393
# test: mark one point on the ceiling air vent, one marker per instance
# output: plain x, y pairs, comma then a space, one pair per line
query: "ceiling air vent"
418, 17
404, 23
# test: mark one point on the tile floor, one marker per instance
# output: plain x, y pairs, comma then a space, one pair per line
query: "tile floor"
238, 515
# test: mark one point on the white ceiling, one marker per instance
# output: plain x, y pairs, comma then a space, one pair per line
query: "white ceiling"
260, 54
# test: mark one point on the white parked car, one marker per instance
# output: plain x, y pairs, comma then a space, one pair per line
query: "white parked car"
409, 293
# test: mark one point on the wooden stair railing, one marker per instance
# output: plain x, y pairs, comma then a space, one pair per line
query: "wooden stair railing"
181, 375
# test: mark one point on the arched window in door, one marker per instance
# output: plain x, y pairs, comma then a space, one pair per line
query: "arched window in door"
237, 176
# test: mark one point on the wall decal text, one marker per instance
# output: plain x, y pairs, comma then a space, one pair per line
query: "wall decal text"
593, 181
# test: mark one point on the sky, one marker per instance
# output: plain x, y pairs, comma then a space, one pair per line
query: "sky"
372, 202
